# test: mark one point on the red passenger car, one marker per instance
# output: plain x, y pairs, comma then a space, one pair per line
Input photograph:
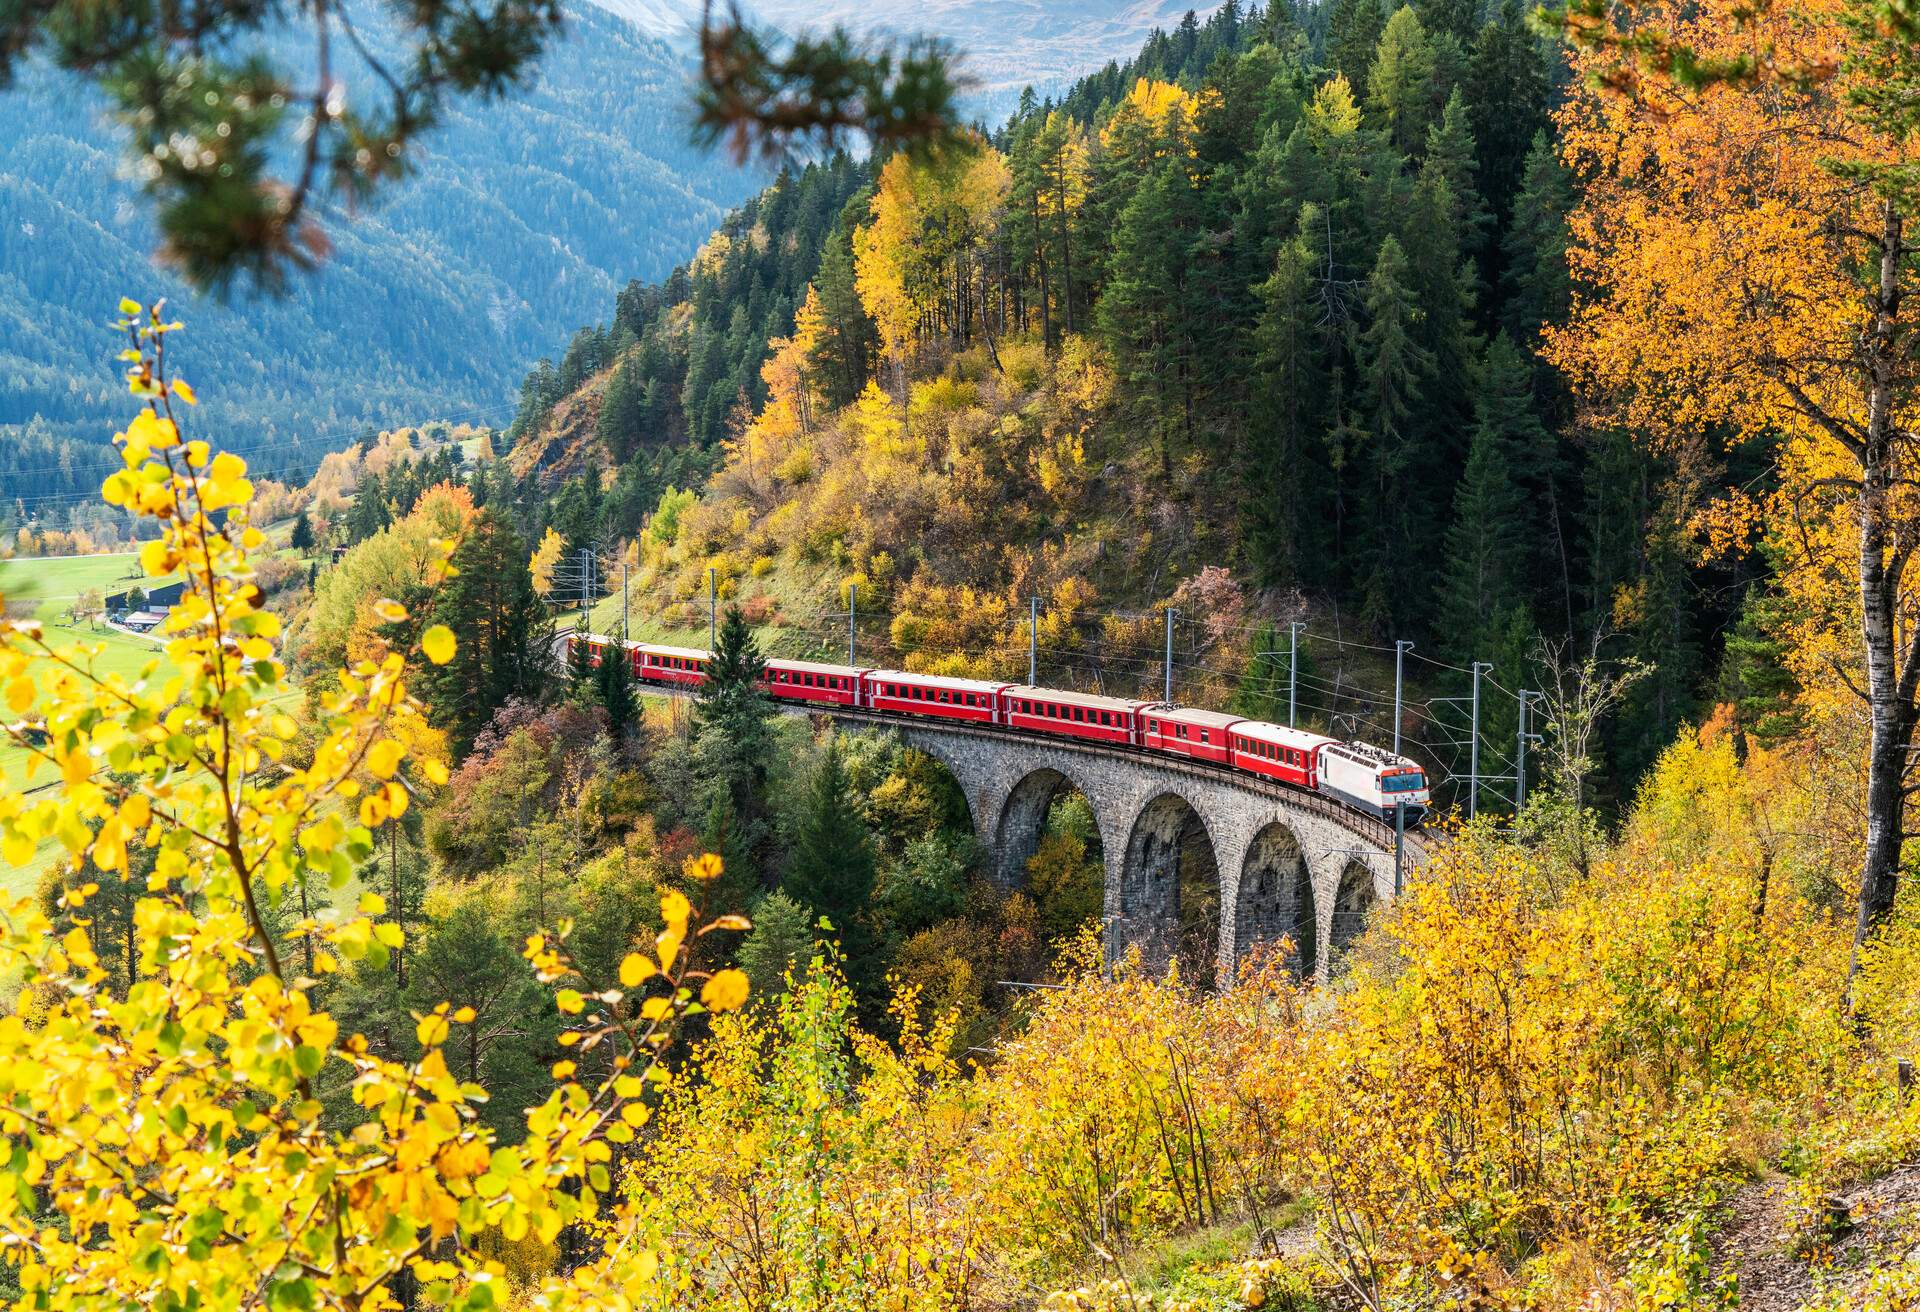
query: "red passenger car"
1290, 755
933, 695
683, 666
1073, 714
813, 682
1184, 731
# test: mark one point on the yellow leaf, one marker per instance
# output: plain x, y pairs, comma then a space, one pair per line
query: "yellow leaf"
674, 908
438, 643
185, 393
725, 991
635, 970
383, 758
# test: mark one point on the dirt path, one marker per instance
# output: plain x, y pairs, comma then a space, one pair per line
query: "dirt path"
1756, 1245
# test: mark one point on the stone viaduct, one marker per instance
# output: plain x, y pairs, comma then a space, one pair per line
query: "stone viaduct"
1287, 863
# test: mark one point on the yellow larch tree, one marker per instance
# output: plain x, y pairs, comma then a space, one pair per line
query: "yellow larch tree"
912, 261
545, 558
1746, 275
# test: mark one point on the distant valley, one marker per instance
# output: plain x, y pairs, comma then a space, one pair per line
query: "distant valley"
522, 221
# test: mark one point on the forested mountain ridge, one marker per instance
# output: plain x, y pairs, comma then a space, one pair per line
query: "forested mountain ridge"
521, 216
1267, 298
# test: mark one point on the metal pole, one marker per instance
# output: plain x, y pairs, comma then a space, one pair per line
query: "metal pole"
712, 591
1400, 649
1168, 698
1399, 844
623, 601
853, 608
1520, 758
1293, 669
1473, 753
1033, 642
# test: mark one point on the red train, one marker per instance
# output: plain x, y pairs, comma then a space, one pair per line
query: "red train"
1367, 778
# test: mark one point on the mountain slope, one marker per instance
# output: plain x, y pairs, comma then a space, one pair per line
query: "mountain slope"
1007, 44
522, 216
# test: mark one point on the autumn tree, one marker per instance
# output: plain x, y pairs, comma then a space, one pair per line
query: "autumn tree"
930, 217
141, 1111
1763, 292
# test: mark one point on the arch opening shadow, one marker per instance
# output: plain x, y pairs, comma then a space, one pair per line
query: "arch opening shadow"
1353, 906
1170, 891
1043, 805
1276, 901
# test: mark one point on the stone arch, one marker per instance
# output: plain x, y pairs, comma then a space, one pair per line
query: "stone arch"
1353, 902
1023, 818
1170, 888
1275, 899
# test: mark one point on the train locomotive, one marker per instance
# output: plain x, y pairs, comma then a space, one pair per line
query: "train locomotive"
1354, 774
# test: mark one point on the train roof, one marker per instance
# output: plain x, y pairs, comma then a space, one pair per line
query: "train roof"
1194, 715
1299, 739
1368, 754
938, 681
1089, 699
816, 667
658, 649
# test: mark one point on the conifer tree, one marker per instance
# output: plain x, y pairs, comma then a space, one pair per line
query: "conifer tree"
1537, 285
301, 539
580, 671
1537, 467
1450, 156
733, 720
622, 421
1400, 83
1142, 314
1353, 35
832, 872
1485, 552
842, 358
1507, 94
1393, 366
1754, 678
1459, 19
505, 637
617, 693
1286, 385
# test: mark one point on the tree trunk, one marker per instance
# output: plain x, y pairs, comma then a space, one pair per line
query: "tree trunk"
1066, 242
1890, 689
1040, 252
